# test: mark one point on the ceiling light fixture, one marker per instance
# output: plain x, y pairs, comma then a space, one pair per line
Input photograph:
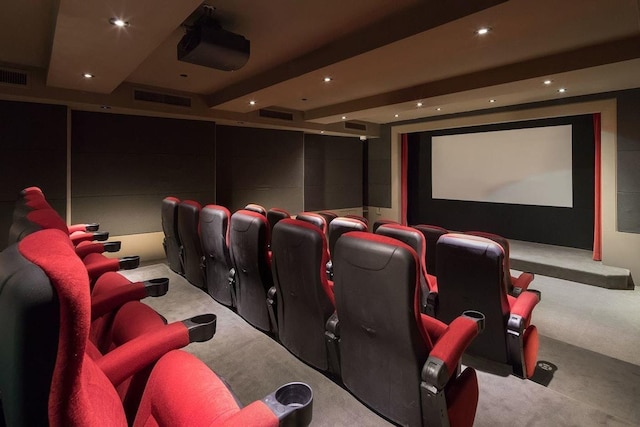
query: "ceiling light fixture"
419, 104
397, 115
562, 90
344, 117
482, 31
118, 22
492, 100
88, 75
438, 109
321, 131
547, 82
327, 79
252, 102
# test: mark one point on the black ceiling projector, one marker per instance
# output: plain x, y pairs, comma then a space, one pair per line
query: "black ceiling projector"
207, 44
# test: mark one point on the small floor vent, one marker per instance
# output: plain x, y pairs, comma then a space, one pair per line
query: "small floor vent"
161, 98
355, 126
273, 114
14, 77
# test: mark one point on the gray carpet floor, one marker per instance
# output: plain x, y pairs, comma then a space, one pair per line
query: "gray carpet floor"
589, 336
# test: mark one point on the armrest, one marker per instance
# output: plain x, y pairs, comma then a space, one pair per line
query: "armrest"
104, 301
521, 283
434, 327
129, 358
85, 248
292, 403
256, 414
82, 236
98, 264
521, 310
94, 226
447, 351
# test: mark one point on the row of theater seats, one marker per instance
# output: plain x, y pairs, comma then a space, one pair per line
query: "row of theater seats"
394, 305
78, 348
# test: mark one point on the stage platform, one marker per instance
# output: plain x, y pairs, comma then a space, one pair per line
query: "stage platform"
572, 264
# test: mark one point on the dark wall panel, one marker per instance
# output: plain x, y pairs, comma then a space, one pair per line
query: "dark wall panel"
559, 226
332, 172
33, 147
262, 166
123, 166
379, 169
628, 171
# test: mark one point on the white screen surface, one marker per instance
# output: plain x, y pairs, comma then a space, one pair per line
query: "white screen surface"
521, 166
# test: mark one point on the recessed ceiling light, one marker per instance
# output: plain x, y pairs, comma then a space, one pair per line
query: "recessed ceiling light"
482, 31
252, 102
562, 90
327, 79
547, 82
438, 109
492, 100
105, 107
118, 22
321, 131
344, 117
419, 104
88, 76
397, 115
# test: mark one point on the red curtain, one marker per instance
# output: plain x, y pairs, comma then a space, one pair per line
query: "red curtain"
403, 178
597, 223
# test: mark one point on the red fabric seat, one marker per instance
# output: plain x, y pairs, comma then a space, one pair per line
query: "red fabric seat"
471, 277
416, 382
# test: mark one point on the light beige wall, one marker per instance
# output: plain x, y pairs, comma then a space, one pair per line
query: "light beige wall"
618, 249
147, 245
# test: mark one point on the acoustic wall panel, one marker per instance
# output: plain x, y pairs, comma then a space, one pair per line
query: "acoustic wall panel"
332, 172
263, 166
379, 169
628, 166
123, 166
33, 144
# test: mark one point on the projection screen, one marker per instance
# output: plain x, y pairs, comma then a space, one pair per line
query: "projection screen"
529, 166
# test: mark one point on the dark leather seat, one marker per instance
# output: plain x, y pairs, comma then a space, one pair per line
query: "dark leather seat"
470, 277
328, 216
305, 299
401, 363
360, 218
381, 222
428, 283
342, 225
250, 257
171, 242
515, 285
214, 233
256, 208
315, 219
275, 215
431, 234
189, 234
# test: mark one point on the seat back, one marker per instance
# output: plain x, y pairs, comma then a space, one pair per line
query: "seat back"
275, 215
250, 257
470, 277
214, 233
35, 220
502, 241
172, 245
328, 216
315, 219
360, 218
189, 234
342, 225
382, 347
253, 207
305, 301
28, 308
431, 234
381, 222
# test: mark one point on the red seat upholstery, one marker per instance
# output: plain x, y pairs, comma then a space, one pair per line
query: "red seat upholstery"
428, 282
171, 242
471, 277
401, 363
515, 285
214, 233
305, 300
250, 257
189, 233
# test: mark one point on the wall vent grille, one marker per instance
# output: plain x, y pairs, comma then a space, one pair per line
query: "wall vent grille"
273, 114
355, 126
161, 98
14, 77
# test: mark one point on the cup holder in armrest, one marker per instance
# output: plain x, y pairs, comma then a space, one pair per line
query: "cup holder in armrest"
478, 317
157, 287
94, 226
129, 262
292, 403
100, 236
201, 328
112, 246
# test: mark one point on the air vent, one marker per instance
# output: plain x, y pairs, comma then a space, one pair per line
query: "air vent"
280, 115
355, 126
14, 77
161, 98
